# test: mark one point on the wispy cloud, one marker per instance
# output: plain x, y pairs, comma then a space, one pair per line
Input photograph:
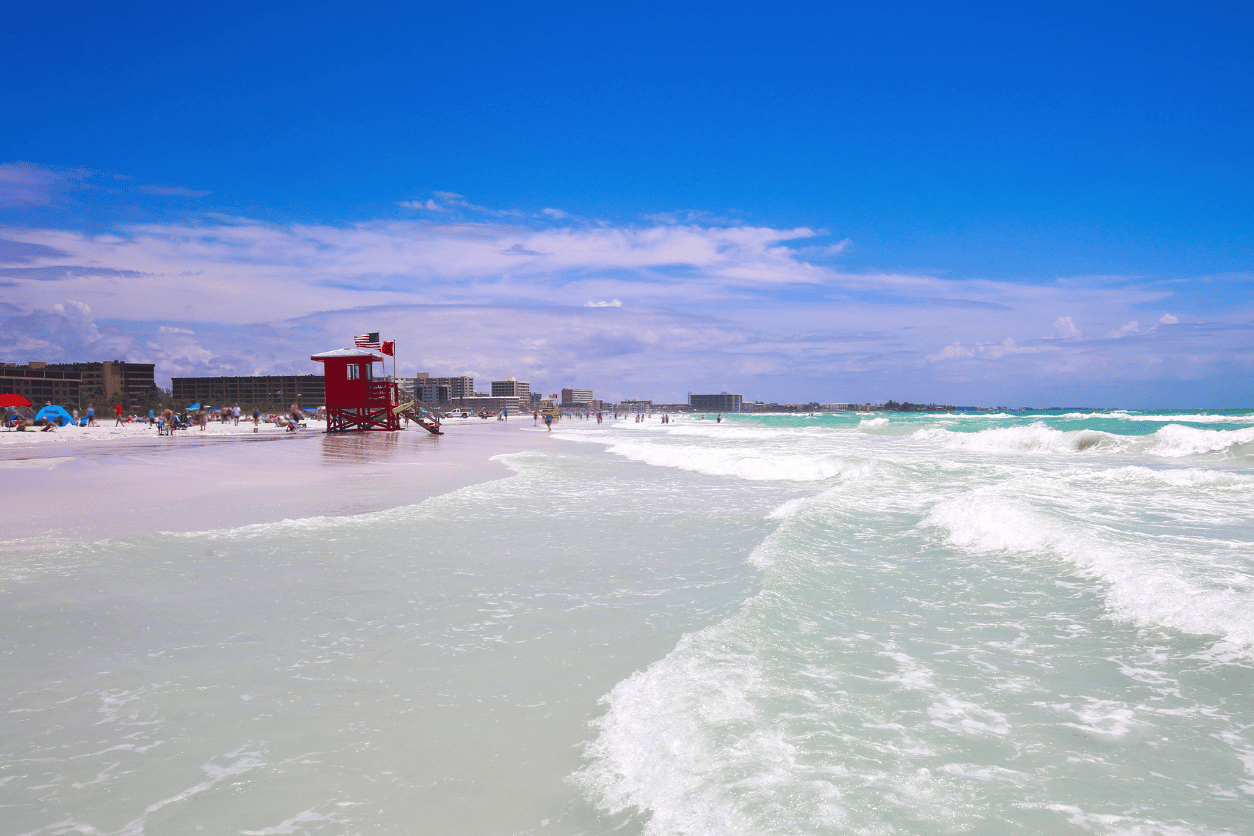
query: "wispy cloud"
173, 191
25, 184
1132, 327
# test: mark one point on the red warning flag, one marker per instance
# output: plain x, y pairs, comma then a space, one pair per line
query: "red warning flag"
389, 349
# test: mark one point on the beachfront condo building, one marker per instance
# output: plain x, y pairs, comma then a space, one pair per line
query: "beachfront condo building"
722, 402
578, 398
40, 385
78, 384
277, 390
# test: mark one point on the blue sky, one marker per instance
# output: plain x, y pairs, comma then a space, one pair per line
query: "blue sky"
989, 204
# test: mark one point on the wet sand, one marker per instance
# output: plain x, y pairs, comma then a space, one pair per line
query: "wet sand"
102, 483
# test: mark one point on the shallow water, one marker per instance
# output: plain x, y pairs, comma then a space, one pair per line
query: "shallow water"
845, 624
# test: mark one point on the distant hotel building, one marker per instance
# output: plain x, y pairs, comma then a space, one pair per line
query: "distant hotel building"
722, 402
276, 389
437, 390
579, 398
512, 387
39, 384
76, 384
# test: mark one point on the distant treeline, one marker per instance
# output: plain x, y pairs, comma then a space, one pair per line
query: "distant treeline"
893, 406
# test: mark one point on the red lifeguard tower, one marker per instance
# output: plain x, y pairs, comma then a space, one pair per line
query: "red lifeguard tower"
356, 400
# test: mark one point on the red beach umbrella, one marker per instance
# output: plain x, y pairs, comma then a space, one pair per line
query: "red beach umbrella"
14, 400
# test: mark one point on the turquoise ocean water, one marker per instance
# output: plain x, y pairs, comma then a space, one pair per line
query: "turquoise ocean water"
870, 624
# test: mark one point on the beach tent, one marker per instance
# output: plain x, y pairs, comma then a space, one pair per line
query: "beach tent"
54, 415
194, 406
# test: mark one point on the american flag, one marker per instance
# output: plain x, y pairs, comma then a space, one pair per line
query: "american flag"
370, 340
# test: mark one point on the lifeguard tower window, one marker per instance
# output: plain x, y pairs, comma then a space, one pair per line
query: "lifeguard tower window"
353, 371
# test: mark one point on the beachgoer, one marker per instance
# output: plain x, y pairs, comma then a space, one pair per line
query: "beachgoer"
91, 415
74, 415
117, 409
152, 418
236, 410
505, 412
535, 418
548, 422
719, 419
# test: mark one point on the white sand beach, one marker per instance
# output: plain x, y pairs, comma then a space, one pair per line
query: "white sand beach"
77, 485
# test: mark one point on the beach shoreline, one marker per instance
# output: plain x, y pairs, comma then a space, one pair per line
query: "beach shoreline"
81, 485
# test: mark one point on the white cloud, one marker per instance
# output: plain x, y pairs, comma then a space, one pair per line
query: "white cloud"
1065, 329
952, 352
1132, 327
1168, 319
730, 302
991, 351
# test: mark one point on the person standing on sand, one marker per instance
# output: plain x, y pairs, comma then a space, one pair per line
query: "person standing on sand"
74, 415
91, 415
236, 411
117, 409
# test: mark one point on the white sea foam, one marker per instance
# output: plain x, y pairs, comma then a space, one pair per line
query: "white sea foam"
1143, 586
1177, 441
1178, 477
873, 422
752, 463
1033, 438
1198, 418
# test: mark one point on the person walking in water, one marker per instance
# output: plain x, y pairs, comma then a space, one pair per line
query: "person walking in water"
548, 422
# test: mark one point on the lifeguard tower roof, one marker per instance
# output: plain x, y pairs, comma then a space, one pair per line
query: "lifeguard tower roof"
347, 352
